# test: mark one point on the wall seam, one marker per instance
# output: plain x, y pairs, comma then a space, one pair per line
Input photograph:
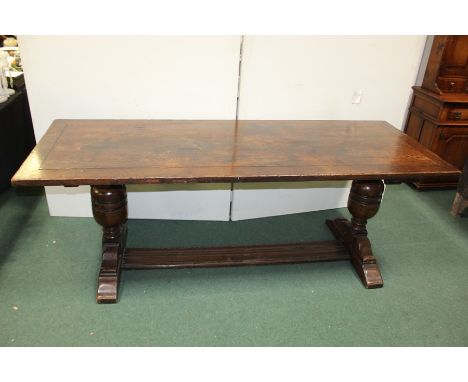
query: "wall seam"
239, 76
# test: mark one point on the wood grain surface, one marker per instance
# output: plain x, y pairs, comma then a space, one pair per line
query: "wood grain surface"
107, 152
146, 258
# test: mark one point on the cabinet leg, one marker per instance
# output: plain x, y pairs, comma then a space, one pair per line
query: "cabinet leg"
363, 203
109, 205
459, 205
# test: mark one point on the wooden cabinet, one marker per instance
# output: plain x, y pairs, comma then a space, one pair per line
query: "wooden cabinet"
440, 123
438, 115
447, 67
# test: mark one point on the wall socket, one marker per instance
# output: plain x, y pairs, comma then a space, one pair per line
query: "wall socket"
357, 97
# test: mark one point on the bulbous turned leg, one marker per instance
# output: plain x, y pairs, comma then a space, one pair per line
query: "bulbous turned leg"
109, 205
363, 203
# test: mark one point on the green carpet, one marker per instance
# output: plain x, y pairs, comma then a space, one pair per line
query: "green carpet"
48, 269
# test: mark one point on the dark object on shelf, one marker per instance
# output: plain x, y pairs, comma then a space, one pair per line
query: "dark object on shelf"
447, 67
98, 153
16, 135
461, 198
18, 82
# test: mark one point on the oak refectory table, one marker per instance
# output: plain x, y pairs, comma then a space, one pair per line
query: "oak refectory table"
108, 154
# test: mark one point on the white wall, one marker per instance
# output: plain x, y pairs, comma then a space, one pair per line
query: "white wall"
315, 77
134, 77
424, 60
292, 77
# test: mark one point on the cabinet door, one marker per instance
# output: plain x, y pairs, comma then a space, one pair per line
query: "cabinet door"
414, 125
452, 145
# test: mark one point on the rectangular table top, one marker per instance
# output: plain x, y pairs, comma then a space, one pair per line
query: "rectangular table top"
98, 152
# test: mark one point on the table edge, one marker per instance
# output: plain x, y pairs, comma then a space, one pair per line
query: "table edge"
30, 167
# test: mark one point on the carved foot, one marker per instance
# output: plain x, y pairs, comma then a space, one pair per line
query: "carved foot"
109, 274
359, 247
459, 205
461, 198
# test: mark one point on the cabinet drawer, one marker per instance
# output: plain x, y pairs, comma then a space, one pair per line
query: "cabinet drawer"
453, 85
427, 106
457, 114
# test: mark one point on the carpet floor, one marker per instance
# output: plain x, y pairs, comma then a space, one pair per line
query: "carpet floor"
48, 269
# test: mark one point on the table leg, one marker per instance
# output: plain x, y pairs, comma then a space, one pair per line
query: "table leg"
109, 205
363, 203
